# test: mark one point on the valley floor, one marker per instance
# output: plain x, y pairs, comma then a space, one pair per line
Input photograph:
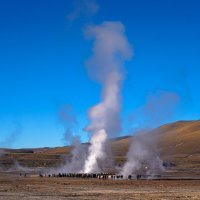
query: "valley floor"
13, 187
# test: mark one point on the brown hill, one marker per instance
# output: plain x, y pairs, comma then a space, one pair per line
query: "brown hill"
182, 137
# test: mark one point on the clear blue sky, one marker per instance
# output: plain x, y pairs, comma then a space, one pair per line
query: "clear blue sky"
42, 58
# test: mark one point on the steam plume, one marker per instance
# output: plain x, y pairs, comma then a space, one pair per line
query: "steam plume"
11, 139
110, 50
83, 8
78, 153
143, 155
75, 162
68, 119
159, 108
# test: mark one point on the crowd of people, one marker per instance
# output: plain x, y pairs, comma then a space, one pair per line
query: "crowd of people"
110, 176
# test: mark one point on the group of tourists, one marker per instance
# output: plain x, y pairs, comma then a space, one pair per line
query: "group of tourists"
104, 176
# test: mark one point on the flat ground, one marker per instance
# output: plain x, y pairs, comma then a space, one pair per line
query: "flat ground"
14, 187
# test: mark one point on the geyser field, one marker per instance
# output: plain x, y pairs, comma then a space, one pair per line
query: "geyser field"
178, 144
109, 91
151, 163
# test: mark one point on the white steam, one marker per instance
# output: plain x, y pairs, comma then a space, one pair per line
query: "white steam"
96, 151
143, 155
75, 163
110, 50
78, 154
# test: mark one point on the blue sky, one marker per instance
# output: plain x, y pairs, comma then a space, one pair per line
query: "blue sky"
42, 56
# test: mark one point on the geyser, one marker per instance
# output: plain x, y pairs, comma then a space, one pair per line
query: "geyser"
96, 150
110, 50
